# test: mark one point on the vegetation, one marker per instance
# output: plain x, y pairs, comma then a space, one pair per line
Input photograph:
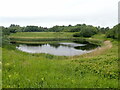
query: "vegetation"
87, 71
98, 69
76, 28
40, 37
113, 33
86, 32
41, 34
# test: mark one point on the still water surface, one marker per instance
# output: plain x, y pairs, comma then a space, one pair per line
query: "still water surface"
59, 49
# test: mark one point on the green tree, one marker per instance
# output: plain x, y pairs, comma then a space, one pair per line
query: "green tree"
113, 33
86, 31
14, 28
31, 29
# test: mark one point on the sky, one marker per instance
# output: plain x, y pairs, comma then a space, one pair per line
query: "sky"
48, 13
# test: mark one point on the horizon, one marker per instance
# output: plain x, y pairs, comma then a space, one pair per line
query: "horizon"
55, 25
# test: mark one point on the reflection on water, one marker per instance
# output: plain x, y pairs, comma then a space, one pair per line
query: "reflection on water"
59, 49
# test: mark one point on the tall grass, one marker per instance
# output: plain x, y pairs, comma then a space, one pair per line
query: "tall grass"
24, 70
39, 37
23, 37
42, 34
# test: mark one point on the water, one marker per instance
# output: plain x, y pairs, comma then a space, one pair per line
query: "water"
59, 49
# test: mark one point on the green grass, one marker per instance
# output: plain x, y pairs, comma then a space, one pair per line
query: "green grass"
99, 36
24, 70
42, 34
36, 37
0, 68
42, 37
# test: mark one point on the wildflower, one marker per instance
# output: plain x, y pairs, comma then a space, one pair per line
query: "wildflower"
7, 64
42, 79
9, 76
72, 81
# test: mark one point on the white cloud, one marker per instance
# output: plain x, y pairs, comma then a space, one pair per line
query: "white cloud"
25, 12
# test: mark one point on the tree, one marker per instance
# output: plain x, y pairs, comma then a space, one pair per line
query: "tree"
15, 28
31, 29
5, 31
56, 29
113, 33
87, 31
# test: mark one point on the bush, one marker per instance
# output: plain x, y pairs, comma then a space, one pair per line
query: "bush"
76, 35
113, 33
86, 32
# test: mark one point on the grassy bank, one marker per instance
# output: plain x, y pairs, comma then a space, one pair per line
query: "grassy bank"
43, 37
41, 34
94, 70
30, 37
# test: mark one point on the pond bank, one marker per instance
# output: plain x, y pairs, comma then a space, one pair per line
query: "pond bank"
98, 51
49, 71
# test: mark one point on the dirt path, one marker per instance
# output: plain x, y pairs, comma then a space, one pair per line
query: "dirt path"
98, 51
107, 45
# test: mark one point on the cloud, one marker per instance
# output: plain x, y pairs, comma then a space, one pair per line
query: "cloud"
49, 12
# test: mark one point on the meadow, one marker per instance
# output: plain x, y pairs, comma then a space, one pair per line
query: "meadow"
42, 37
98, 69
38, 37
41, 34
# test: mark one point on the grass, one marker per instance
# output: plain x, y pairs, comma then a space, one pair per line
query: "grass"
42, 37
0, 68
36, 37
99, 36
94, 70
42, 34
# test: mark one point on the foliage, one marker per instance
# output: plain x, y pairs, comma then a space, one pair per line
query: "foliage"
24, 70
56, 29
14, 28
113, 33
33, 29
103, 30
86, 32
48, 71
76, 28
4, 31
76, 35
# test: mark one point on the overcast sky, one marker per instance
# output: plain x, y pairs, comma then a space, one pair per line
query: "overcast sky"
48, 13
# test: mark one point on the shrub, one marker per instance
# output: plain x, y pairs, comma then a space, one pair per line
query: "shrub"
113, 33
86, 32
76, 35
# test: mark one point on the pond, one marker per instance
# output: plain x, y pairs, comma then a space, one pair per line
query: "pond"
58, 48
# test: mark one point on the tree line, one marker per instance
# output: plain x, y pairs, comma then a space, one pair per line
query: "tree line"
82, 30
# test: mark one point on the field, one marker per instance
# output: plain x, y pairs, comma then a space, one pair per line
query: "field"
42, 37
38, 37
41, 34
98, 69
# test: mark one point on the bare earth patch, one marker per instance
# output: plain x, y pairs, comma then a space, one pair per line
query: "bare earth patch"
98, 51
